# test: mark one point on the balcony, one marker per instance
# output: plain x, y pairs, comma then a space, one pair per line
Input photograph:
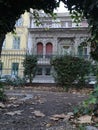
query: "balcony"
45, 59
58, 23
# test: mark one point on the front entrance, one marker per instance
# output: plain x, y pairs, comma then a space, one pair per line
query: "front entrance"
44, 74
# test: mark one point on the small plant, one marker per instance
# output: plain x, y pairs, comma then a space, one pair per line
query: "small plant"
82, 127
2, 95
89, 106
18, 82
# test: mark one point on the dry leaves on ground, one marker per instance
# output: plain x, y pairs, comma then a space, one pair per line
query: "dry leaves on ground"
14, 113
38, 113
2, 105
57, 117
84, 119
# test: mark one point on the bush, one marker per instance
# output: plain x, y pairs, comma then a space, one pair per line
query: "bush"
18, 82
69, 69
2, 95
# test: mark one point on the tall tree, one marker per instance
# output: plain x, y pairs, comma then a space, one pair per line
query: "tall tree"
11, 10
87, 9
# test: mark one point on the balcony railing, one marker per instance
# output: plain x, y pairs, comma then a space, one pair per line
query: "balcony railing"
48, 56
44, 56
45, 59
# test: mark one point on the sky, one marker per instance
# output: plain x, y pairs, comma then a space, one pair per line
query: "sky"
61, 9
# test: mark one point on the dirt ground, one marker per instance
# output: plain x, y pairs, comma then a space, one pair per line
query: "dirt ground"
33, 109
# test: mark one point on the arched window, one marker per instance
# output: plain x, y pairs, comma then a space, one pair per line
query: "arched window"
40, 49
19, 22
49, 49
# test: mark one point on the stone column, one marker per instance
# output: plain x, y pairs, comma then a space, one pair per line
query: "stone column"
55, 46
29, 44
44, 49
34, 45
76, 44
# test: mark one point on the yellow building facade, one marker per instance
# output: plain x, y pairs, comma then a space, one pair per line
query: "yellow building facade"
15, 47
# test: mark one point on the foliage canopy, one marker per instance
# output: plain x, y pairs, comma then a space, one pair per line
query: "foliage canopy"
11, 10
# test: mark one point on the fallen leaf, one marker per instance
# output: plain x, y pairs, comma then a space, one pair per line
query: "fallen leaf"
33, 103
57, 117
49, 125
38, 113
41, 101
14, 112
95, 119
84, 119
37, 97
9, 105
2, 105
54, 118
70, 113
61, 116
13, 98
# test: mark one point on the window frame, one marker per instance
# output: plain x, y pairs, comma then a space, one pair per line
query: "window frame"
16, 42
19, 22
15, 68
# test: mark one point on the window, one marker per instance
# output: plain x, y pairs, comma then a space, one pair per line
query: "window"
1, 67
82, 51
48, 71
19, 22
16, 43
39, 71
15, 67
44, 70
85, 52
3, 44
70, 24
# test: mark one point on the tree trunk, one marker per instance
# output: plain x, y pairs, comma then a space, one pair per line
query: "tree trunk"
2, 37
30, 79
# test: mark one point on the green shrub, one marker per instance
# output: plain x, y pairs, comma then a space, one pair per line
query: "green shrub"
2, 95
30, 63
18, 82
69, 69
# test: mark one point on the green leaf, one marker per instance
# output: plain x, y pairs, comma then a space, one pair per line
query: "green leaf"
92, 100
